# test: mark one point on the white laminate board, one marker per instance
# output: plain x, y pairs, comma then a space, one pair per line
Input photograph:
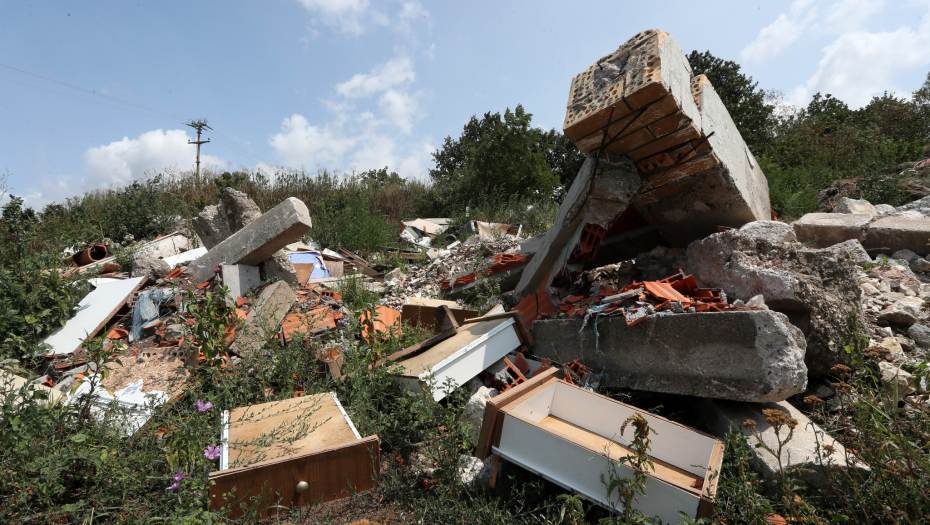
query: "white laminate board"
92, 312
577, 468
474, 358
183, 258
671, 443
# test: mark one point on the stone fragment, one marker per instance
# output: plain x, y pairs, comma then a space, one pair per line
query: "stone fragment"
906, 311
211, 227
920, 207
884, 209
746, 356
472, 470
847, 205
854, 247
893, 377
175, 331
264, 318
239, 279
474, 410
258, 241
920, 334
771, 231
599, 194
238, 209
870, 289
915, 262
806, 447
151, 268
816, 288
278, 266
821, 230
892, 345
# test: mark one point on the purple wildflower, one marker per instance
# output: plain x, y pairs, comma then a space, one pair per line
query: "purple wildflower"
212, 451
203, 407
180, 475
173, 486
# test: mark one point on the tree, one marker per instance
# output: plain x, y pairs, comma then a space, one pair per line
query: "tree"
740, 95
562, 156
494, 156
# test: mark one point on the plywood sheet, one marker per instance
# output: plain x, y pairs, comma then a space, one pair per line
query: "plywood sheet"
425, 301
10, 382
278, 429
92, 314
418, 315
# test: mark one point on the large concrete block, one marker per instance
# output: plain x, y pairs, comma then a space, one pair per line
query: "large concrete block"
821, 230
264, 319
890, 234
211, 227
258, 241
816, 288
239, 279
600, 193
808, 450
744, 356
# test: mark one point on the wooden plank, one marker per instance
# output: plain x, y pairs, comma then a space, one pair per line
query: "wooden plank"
421, 315
298, 425
419, 347
504, 399
526, 337
332, 473
445, 318
425, 301
303, 272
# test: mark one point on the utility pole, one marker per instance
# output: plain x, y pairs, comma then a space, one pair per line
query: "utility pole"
199, 125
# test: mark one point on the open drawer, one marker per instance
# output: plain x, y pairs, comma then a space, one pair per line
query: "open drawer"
270, 448
571, 437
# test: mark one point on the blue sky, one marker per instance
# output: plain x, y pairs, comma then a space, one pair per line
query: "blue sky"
361, 84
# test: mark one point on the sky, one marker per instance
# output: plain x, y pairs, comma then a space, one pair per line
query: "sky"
95, 94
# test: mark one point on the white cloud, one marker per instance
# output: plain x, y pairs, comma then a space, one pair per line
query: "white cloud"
299, 143
848, 15
355, 17
781, 33
385, 76
119, 163
400, 108
861, 64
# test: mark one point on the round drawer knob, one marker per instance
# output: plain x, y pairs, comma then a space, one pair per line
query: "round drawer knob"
302, 487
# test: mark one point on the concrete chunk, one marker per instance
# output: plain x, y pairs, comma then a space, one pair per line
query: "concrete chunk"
258, 241
744, 356
264, 319
771, 231
600, 193
905, 312
211, 227
239, 279
861, 206
821, 230
803, 450
890, 234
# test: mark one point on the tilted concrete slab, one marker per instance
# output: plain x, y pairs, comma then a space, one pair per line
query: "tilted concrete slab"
264, 319
744, 356
258, 240
821, 230
804, 451
599, 194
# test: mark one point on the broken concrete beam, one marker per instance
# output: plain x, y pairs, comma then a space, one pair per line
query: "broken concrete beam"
821, 230
890, 234
238, 209
744, 356
646, 80
239, 279
210, 225
258, 241
599, 194
264, 319
708, 182
807, 445
816, 289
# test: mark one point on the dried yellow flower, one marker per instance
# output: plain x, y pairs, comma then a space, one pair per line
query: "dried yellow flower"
841, 371
813, 400
843, 388
750, 424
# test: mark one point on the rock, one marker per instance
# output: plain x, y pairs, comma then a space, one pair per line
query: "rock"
771, 231
175, 331
869, 289
816, 288
890, 234
278, 267
821, 230
854, 247
803, 450
396, 273
154, 269
915, 262
920, 207
745, 355
238, 209
211, 227
474, 410
847, 205
892, 375
472, 470
905, 312
884, 209
920, 334
891, 344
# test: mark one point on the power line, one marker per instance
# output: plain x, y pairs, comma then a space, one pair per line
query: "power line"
163, 115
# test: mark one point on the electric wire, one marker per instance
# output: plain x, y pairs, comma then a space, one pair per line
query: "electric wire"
163, 115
